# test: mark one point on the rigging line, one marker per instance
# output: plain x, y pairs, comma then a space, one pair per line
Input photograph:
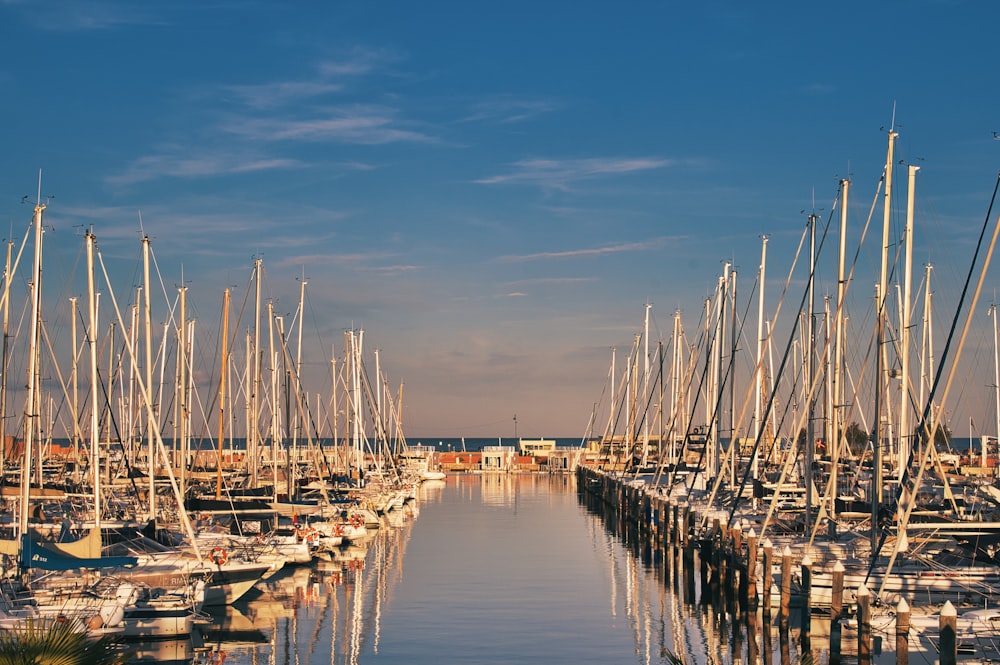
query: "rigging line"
709, 361
733, 444
926, 429
784, 360
145, 398
702, 338
850, 277
617, 457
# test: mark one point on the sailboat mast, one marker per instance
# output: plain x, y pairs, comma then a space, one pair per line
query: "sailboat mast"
645, 386
182, 389
298, 420
148, 334
254, 369
275, 414
758, 406
905, 436
223, 366
30, 412
95, 432
838, 351
877, 490
810, 374
3, 359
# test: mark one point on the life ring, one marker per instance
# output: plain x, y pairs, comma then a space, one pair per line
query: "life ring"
356, 521
219, 556
338, 530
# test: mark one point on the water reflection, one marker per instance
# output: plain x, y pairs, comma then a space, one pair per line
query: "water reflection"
494, 569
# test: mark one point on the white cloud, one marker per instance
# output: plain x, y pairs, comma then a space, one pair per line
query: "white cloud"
509, 109
645, 245
177, 163
370, 125
559, 174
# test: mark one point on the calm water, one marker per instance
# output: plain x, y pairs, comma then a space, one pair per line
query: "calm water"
482, 569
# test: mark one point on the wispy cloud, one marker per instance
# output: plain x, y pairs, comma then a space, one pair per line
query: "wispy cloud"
643, 246
819, 89
392, 270
371, 125
179, 163
85, 15
558, 174
280, 93
552, 280
356, 261
330, 77
505, 110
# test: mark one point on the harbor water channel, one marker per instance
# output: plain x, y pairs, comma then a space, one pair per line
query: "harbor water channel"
491, 568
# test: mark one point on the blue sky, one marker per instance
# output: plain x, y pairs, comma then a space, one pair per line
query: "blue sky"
492, 191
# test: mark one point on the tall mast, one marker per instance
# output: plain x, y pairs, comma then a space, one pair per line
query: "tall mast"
733, 334
877, 490
905, 436
298, 374
74, 384
252, 436
836, 426
275, 414
677, 407
758, 381
3, 359
95, 430
30, 408
810, 373
223, 367
148, 334
333, 402
996, 370
927, 352
182, 386
645, 386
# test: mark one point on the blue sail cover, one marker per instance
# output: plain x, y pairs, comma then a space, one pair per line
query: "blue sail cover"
34, 554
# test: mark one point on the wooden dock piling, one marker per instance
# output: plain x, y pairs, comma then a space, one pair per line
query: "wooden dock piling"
865, 626
766, 577
902, 633
806, 602
786, 585
948, 624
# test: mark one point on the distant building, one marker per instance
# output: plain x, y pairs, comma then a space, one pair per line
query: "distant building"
498, 459
536, 447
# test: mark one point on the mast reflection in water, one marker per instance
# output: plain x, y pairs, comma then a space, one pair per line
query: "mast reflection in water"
482, 569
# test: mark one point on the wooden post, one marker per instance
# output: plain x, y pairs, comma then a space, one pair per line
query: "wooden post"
806, 602
784, 652
751, 593
836, 635
865, 626
837, 593
686, 512
786, 585
948, 624
753, 649
902, 633
765, 639
669, 512
767, 576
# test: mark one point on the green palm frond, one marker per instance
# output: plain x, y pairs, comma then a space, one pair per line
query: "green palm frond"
53, 642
